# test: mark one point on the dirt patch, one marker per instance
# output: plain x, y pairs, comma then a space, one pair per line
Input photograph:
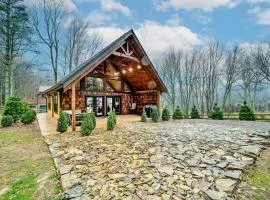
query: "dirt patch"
26, 164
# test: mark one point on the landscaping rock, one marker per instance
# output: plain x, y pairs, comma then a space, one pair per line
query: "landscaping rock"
187, 159
225, 185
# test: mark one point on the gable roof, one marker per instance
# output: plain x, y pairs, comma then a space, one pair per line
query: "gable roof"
101, 56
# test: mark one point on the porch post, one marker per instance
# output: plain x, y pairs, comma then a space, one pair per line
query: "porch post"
158, 101
73, 106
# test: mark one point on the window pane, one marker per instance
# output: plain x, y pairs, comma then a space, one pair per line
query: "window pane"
93, 84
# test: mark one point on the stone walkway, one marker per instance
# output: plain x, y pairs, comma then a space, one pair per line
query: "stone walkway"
187, 159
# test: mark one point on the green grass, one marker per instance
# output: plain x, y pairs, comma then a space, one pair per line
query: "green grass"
259, 197
258, 116
22, 189
24, 156
260, 178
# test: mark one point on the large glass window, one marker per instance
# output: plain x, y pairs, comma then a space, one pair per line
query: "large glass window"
93, 84
55, 103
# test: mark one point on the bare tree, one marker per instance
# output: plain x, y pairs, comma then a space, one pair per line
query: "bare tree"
231, 72
262, 59
47, 18
213, 54
186, 79
169, 70
79, 44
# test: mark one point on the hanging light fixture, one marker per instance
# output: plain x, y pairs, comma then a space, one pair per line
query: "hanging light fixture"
123, 71
130, 69
139, 66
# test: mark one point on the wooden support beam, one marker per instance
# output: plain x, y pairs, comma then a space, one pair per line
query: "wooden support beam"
158, 101
126, 56
73, 105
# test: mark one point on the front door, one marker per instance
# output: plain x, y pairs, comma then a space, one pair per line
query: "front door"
114, 103
95, 105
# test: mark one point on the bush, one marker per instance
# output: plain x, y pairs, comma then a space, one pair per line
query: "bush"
216, 113
165, 114
88, 124
15, 107
62, 123
110, 121
6, 120
28, 117
93, 119
194, 113
114, 117
143, 117
154, 115
246, 113
177, 113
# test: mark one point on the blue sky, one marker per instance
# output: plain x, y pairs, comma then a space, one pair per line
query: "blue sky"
183, 24
179, 23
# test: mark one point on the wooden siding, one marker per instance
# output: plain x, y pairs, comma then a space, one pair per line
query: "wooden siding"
145, 98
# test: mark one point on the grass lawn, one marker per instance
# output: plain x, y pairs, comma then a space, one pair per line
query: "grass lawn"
258, 116
27, 169
259, 178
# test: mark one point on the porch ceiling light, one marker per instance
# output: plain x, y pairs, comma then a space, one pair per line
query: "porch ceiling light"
130, 69
116, 73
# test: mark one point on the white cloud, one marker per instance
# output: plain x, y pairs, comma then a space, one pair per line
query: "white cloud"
258, 1
97, 18
254, 10
201, 19
174, 20
154, 37
263, 17
110, 5
205, 5
67, 5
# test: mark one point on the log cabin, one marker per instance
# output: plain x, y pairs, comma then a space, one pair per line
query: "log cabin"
119, 77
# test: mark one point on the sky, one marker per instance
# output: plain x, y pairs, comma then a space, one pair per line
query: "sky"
183, 24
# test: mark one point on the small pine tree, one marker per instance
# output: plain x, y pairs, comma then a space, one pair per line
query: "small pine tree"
114, 117
154, 115
110, 121
62, 123
216, 113
165, 114
177, 113
143, 117
93, 119
246, 113
194, 113
88, 124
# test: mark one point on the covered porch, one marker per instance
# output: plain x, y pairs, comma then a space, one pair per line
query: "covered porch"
48, 124
120, 78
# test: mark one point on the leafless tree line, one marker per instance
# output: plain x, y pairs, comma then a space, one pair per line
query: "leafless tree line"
58, 40
214, 75
64, 35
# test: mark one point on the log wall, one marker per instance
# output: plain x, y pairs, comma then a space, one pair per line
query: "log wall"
146, 98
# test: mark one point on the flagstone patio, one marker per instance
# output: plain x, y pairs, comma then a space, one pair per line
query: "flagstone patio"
186, 159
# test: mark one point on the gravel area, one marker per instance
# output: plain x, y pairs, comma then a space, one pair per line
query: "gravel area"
186, 159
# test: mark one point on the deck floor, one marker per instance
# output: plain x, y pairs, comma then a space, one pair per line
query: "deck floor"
48, 124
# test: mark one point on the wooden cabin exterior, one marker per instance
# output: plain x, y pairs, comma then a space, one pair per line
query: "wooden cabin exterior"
120, 77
